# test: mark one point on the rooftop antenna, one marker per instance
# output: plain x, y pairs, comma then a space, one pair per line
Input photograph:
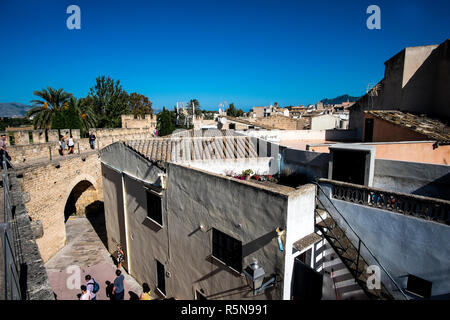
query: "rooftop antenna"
372, 91
178, 114
193, 113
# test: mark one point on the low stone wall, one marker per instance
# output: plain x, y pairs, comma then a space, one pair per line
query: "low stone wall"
33, 137
281, 122
27, 137
33, 275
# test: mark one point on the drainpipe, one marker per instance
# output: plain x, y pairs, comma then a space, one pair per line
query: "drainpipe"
279, 158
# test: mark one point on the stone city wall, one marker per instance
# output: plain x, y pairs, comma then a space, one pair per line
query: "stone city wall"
24, 154
48, 187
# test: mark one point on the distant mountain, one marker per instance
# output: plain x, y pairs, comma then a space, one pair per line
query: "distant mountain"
13, 109
340, 99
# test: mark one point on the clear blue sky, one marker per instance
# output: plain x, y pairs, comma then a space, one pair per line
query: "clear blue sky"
247, 52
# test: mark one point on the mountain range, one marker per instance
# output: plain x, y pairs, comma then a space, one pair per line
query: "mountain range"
340, 99
13, 109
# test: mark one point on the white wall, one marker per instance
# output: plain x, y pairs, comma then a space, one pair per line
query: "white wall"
236, 166
300, 223
278, 135
324, 122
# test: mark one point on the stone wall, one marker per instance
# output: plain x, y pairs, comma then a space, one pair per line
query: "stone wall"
27, 137
281, 122
32, 273
49, 186
24, 154
128, 121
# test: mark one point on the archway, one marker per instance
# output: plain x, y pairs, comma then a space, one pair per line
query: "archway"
83, 202
80, 198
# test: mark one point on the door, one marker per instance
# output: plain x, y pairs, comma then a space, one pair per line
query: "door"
349, 166
306, 282
368, 130
160, 277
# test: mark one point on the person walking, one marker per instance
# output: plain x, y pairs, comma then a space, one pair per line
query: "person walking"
71, 144
92, 140
119, 290
3, 150
145, 295
85, 294
120, 256
91, 286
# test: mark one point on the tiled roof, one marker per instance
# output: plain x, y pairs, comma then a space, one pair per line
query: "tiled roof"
434, 129
180, 149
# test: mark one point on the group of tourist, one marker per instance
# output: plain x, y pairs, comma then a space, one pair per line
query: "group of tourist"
115, 290
69, 141
63, 140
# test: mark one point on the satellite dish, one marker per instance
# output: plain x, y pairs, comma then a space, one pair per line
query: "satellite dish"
223, 120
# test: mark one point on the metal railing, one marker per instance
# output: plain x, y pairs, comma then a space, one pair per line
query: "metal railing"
10, 266
364, 254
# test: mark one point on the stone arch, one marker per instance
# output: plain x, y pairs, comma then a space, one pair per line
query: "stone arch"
80, 194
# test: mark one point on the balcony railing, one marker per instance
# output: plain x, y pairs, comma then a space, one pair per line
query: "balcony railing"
412, 205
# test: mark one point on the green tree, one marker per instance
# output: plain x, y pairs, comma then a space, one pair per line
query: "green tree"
109, 102
44, 109
139, 105
233, 112
197, 110
165, 122
87, 114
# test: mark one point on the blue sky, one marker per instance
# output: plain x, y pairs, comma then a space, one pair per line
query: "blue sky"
250, 52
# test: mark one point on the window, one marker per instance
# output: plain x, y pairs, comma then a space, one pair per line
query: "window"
160, 277
154, 210
227, 249
419, 286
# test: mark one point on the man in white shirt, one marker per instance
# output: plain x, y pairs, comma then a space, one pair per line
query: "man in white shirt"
85, 294
71, 144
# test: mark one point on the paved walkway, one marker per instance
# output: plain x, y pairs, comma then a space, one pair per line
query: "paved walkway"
85, 249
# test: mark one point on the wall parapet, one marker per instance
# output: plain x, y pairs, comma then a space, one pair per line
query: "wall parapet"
21, 154
32, 273
427, 208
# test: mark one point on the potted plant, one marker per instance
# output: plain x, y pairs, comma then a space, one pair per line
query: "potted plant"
247, 174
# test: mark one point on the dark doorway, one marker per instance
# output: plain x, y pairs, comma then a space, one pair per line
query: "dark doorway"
349, 166
232, 126
306, 282
368, 130
160, 275
95, 213
199, 295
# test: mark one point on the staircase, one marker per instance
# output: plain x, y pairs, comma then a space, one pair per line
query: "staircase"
353, 256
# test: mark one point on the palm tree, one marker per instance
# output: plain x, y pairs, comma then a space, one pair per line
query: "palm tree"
86, 111
44, 110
